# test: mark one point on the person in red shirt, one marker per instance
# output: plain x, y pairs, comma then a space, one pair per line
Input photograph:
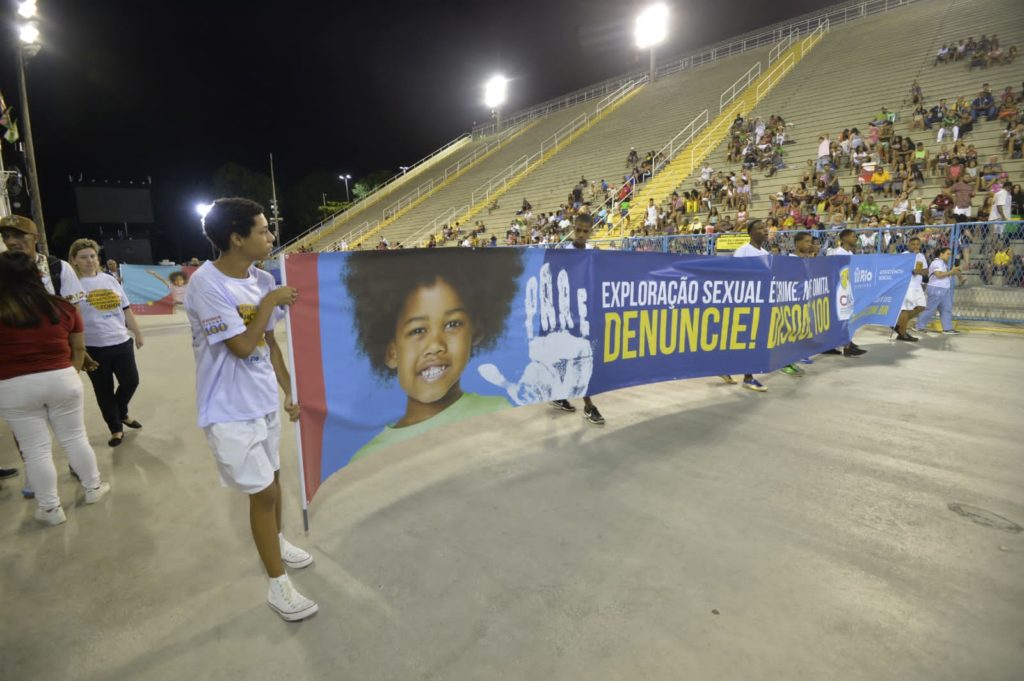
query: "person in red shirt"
41, 352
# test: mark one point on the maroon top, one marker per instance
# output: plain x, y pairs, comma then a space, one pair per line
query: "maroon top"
42, 348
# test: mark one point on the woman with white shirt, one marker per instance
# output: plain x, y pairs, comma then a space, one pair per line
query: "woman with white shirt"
940, 292
107, 317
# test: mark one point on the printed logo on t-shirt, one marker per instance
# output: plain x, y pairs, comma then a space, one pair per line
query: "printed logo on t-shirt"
844, 301
248, 313
103, 299
213, 325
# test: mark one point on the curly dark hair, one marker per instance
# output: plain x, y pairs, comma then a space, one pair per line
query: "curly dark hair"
178, 275
379, 283
230, 216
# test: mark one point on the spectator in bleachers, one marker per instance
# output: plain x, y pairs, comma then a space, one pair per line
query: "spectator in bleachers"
938, 211
881, 181
1000, 212
962, 193
1016, 202
941, 56
950, 123
1004, 262
991, 173
983, 105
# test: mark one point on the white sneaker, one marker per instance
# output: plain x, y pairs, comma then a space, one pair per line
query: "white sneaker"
289, 603
51, 516
293, 556
96, 493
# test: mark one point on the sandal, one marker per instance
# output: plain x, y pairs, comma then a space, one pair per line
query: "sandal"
131, 423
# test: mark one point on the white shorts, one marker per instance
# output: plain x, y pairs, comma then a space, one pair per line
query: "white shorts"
915, 297
962, 211
246, 451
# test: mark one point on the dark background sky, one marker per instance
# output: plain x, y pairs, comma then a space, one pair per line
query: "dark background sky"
175, 89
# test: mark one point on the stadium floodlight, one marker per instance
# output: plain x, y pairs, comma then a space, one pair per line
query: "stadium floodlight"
27, 9
203, 208
29, 33
651, 29
495, 93
346, 177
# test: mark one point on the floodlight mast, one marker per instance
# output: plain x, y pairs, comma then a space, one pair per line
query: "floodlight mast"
651, 30
495, 93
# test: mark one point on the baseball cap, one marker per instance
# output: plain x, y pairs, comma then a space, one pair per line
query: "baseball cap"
20, 223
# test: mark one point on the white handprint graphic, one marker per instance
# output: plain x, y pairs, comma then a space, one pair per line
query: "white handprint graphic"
561, 358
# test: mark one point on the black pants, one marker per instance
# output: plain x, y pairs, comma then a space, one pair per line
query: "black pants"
114, 361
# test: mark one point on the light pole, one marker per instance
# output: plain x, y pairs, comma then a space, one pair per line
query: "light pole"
28, 34
346, 178
404, 169
651, 29
495, 93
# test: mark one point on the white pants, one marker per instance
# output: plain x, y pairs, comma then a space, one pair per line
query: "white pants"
30, 404
942, 132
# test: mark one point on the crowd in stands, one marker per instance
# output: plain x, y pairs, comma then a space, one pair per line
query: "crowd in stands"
981, 53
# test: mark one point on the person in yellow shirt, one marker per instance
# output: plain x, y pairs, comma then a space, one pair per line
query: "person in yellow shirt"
881, 180
1003, 262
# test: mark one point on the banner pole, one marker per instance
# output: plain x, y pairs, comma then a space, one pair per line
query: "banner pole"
295, 396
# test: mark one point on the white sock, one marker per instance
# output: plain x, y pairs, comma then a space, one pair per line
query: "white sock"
282, 580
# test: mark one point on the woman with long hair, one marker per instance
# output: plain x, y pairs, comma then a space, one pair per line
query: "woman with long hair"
41, 352
107, 318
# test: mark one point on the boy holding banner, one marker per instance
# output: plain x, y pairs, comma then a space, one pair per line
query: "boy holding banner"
232, 307
582, 230
758, 232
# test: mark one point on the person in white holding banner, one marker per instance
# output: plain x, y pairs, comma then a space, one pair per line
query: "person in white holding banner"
232, 308
915, 301
940, 292
758, 232
847, 246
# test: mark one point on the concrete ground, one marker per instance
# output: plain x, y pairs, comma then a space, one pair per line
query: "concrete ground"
705, 533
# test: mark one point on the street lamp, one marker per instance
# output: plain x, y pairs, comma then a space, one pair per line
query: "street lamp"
651, 29
404, 169
28, 33
346, 178
495, 93
202, 209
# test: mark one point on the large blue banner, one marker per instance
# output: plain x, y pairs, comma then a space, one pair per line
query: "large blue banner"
391, 344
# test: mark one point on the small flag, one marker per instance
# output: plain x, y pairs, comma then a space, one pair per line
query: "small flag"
7, 121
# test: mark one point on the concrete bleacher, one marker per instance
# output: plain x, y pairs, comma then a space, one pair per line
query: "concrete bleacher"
459, 192
831, 91
646, 122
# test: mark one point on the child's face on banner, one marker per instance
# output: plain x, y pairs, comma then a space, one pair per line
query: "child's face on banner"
432, 344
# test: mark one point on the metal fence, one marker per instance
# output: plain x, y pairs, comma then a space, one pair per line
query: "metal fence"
990, 254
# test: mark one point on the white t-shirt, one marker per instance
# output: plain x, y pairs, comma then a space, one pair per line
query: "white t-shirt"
1001, 198
652, 215
103, 311
229, 388
749, 250
918, 279
823, 148
933, 281
839, 250
70, 288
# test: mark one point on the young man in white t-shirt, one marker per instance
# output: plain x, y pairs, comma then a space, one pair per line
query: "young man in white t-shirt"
582, 229
232, 308
1000, 211
847, 246
915, 301
651, 221
758, 232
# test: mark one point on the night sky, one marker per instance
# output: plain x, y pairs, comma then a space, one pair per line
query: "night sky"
173, 90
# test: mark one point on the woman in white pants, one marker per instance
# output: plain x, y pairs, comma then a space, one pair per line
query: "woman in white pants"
41, 352
940, 292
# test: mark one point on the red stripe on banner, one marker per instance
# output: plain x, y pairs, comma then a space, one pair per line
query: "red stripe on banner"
301, 271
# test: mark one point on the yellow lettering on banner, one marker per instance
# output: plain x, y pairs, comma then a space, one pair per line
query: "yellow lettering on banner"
612, 324
737, 328
708, 343
689, 327
773, 328
725, 328
668, 346
649, 332
628, 334
753, 328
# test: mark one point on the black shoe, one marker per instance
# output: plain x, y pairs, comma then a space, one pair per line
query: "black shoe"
853, 345
564, 405
593, 415
833, 351
906, 337
853, 352
115, 441
6, 473
132, 423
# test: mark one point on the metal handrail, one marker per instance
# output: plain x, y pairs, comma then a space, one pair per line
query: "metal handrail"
741, 84
432, 226
791, 29
377, 190
780, 47
500, 180
451, 170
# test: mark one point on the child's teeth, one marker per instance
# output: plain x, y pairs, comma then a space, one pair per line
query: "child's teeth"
432, 373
